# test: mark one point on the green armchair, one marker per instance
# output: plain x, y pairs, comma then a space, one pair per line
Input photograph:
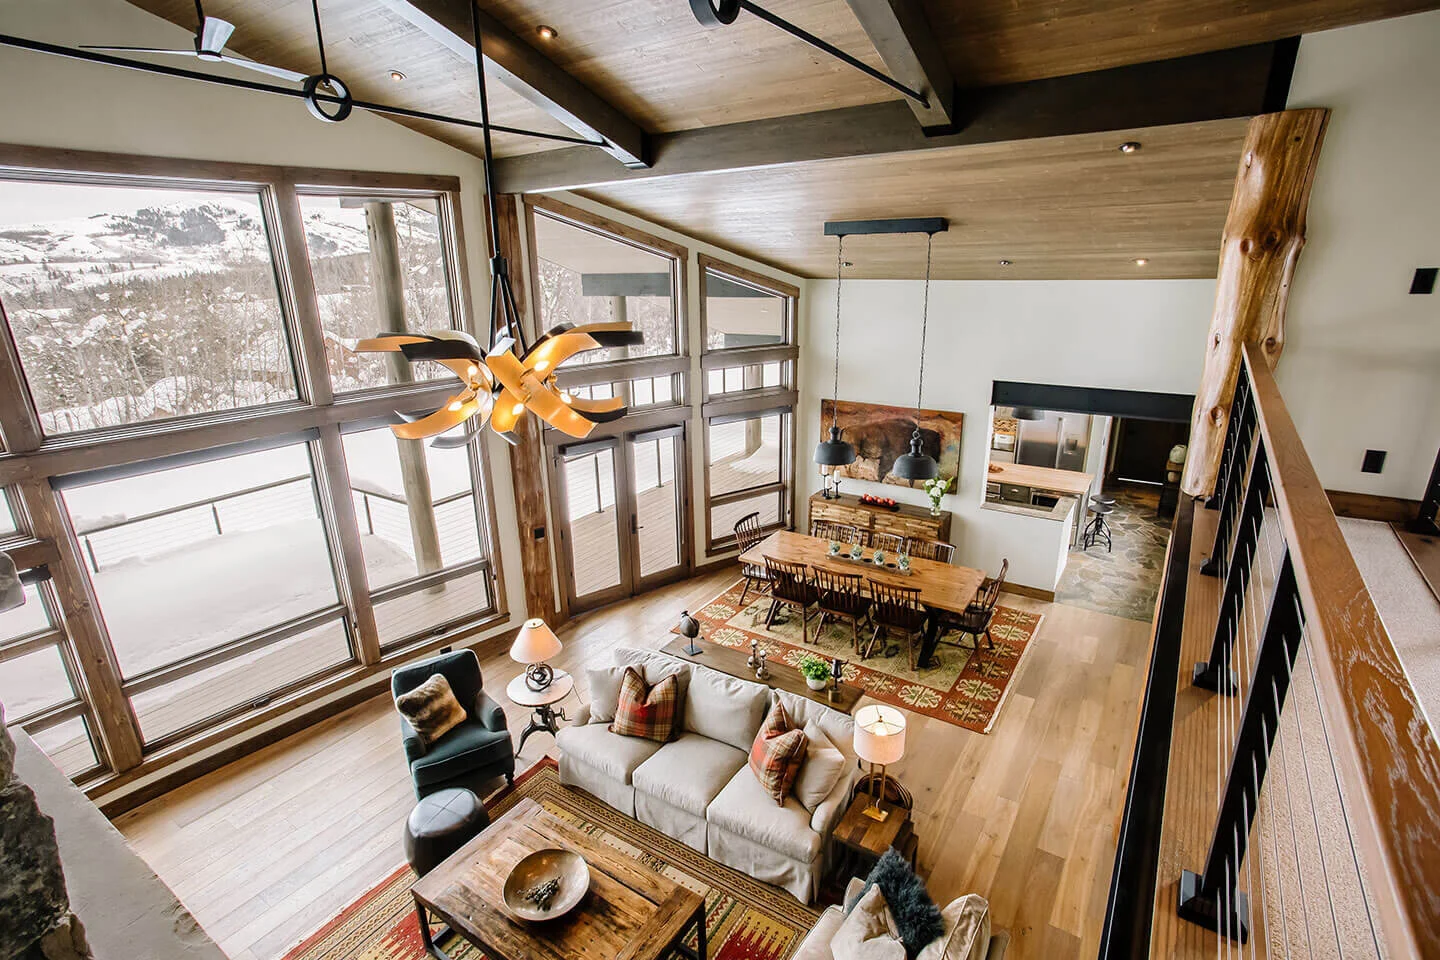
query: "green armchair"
472, 754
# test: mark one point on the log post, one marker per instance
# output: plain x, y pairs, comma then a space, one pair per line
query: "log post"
1264, 232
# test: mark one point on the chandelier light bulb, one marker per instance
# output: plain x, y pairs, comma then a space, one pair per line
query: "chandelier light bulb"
518, 409
454, 406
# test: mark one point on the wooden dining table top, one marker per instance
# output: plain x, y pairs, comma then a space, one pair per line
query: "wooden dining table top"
943, 586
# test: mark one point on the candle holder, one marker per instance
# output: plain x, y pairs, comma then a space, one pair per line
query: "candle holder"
753, 660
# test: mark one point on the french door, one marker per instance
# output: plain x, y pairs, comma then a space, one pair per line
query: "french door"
622, 511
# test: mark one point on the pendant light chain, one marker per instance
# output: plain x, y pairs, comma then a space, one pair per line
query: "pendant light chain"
924, 323
319, 37
835, 390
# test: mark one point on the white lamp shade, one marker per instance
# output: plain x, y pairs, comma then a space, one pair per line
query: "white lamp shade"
879, 734
535, 643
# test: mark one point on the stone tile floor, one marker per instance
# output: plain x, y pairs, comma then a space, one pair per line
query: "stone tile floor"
1125, 581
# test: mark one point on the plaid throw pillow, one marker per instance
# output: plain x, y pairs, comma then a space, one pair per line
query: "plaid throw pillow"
777, 753
646, 711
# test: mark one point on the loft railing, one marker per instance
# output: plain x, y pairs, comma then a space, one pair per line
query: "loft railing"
1324, 813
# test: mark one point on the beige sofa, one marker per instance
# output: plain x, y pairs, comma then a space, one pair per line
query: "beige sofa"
967, 931
699, 789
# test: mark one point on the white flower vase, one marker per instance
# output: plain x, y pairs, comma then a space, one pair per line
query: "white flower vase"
814, 684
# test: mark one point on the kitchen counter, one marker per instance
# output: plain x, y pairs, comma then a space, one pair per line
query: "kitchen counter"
1071, 483
1059, 512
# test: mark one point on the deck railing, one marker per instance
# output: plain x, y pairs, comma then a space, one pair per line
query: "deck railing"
1324, 831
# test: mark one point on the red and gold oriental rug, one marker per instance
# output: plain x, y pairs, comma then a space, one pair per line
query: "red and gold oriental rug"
967, 686
747, 919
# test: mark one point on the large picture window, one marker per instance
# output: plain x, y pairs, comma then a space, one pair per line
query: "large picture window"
586, 274
748, 470
741, 309
191, 438
132, 304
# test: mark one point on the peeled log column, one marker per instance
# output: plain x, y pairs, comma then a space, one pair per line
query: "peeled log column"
1264, 232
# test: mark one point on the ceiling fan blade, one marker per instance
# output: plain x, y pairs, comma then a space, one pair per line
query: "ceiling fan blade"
214, 34
178, 53
280, 72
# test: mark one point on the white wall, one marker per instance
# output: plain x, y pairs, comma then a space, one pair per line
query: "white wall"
1124, 334
1361, 367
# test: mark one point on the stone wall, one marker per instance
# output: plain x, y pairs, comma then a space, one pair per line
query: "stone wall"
35, 917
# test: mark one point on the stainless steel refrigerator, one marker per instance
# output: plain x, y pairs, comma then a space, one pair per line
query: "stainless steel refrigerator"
1059, 440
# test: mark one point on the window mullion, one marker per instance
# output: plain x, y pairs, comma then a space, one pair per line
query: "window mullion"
298, 293
338, 508
93, 655
18, 421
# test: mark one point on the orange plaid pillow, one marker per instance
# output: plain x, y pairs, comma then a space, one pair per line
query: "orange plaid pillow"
646, 711
777, 753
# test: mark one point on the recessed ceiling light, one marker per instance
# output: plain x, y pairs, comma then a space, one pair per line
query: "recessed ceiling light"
1130, 146
396, 75
1141, 261
547, 32
1005, 263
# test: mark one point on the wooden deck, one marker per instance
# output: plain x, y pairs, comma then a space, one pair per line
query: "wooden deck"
270, 847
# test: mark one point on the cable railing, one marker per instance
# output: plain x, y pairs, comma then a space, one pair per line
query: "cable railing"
1324, 831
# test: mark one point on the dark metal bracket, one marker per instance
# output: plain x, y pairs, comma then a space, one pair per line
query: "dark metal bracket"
852, 228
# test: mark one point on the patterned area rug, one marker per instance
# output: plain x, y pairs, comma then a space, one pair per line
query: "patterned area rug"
966, 687
746, 919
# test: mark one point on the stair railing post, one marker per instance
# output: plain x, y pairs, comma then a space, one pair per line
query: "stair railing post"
1215, 673
1227, 452
1235, 459
1211, 898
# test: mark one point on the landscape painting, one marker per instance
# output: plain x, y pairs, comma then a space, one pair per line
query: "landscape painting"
881, 434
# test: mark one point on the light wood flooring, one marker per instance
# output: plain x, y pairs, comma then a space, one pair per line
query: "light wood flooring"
268, 848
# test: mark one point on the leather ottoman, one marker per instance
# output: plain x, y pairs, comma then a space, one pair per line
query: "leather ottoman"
440, 824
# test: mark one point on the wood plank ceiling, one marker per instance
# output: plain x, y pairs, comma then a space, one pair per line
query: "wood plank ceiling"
1063, 207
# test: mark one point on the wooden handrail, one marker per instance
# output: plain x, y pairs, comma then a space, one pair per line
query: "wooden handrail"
1386, 752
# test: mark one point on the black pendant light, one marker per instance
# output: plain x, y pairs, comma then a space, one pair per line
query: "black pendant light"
836, 452
918, 465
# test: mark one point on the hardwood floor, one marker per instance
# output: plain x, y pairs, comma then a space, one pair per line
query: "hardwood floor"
265, 850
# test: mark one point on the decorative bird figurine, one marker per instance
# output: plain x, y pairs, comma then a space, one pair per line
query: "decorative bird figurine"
500, 386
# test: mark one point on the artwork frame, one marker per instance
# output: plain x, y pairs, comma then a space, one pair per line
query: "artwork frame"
881, 433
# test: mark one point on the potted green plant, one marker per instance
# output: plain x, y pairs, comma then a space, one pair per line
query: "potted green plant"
935, 489
816, 671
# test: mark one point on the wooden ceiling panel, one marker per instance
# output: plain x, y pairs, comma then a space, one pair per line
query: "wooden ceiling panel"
1002, 41
1058, 208
364, 41
656, 63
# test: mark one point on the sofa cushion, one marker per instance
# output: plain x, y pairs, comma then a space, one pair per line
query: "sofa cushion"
611, 754
868, 932
604, 683
915, 913
656, 666
725, 708
431, 708
651, 712
967, 931
468, 746
777, 754
746, 810
838, 727
823, 767
816, 945
689, 772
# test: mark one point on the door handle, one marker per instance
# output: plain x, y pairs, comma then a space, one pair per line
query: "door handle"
634, 524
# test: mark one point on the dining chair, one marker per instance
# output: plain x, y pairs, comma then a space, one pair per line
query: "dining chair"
842, 596
838, 532
898, 609
980, 612
791, 587
930, 549
748, 533
891, 543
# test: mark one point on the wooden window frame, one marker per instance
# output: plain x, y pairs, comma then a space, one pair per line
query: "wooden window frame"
751, 407
787, 349
30, 460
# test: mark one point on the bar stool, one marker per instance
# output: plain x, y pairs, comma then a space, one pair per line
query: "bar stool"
1097, 529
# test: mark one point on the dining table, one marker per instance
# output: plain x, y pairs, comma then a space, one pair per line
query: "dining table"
945, 588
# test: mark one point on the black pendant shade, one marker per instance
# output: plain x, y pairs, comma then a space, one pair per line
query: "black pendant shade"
834, 452
916, 465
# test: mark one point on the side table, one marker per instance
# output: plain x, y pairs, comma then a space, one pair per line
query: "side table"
864, 841
545, 718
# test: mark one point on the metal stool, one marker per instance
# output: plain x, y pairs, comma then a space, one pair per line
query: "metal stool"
1097, 529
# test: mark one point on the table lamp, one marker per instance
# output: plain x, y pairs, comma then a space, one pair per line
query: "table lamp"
879, 739
534, 644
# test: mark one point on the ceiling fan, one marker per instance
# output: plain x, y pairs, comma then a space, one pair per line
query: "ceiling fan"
210, 39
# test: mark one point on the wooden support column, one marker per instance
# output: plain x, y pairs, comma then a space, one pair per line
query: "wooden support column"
1264, 233
527, 457
387, 277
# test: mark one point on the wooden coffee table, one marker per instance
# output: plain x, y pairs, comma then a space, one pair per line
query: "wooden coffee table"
630, 913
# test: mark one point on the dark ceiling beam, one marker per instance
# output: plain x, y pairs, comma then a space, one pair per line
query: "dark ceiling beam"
901, 34
526, 71
1209, 86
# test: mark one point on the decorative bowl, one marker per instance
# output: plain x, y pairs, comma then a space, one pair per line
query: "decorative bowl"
565, 866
